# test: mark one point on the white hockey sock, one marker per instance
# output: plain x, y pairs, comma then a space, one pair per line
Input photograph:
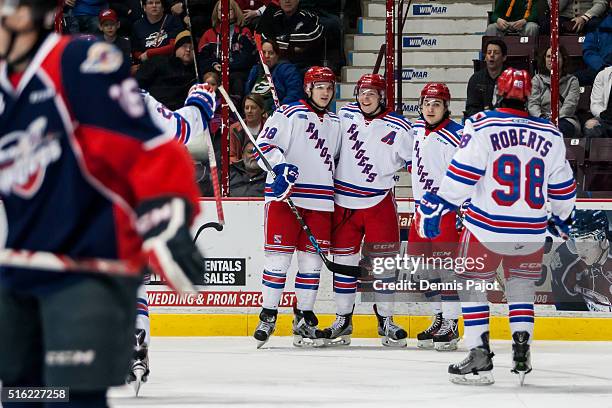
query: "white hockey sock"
475, 321
451, 307
142, 312
520, 293
274, 277
451, 310
345, 287
307, 279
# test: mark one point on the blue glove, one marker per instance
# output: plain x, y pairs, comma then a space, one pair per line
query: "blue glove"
286, 175
560, 228
427, 217
203, 97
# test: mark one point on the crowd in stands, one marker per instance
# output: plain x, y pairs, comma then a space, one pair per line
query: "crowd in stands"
156, 36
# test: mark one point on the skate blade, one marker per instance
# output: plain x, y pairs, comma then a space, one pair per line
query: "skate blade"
450, 346
425, 344
388, 342
338, 341
521, 375
305, 342
260, 343
482, 378
138, 373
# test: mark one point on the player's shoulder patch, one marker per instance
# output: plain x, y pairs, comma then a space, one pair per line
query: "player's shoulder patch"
478, 116
97, 57
398, 120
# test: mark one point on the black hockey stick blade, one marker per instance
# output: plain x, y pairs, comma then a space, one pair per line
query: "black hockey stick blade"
348, 270
214, 225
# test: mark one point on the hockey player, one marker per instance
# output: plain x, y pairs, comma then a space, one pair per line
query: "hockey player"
86, 175
187, 125
436, 139
581, 268
510, 164
299, 138
376, 142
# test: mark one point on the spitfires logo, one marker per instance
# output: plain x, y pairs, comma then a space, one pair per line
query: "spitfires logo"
24, 157
102, 58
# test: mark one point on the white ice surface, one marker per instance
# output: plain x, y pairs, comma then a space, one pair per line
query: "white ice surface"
230, 371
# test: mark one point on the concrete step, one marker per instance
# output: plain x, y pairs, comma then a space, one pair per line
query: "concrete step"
409, 89
426, 42
433, 9
415, 73
411, 106
444, 59
420, 25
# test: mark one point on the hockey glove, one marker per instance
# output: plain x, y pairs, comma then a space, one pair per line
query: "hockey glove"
203, 97
427, 218
560, 228
286, 175
163, 224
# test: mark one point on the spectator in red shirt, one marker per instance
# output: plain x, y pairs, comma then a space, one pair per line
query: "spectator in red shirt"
242, 49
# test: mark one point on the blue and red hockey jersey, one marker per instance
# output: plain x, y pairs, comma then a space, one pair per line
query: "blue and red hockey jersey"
78, 152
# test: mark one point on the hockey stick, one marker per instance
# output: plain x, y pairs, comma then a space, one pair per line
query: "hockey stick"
50, 261
355, 271
212, 161
266, 69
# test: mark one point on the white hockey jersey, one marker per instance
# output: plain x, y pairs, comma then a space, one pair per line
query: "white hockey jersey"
297, 135
372, 151
510, 164
432, 153
184, 124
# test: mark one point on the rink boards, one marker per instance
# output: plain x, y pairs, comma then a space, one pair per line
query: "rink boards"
228, 304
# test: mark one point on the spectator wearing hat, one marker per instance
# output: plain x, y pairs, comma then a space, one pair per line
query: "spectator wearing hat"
168, 78
154, 34
109, 25
242, 49
285, 76
246, 178
254, 117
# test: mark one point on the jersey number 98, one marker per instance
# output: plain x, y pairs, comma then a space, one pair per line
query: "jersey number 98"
507, 172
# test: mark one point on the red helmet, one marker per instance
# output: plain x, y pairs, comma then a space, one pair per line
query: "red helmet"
374, 81
319, 74
514, 84
436, 90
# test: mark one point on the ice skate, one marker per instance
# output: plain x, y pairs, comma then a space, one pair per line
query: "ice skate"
425, 338
139, 372
521, 355
266, 326
339, 333
447, 337
478, 365
305, 330
392, 334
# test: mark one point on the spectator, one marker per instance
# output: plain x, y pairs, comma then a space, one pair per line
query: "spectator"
285, 76
252, 9
128, 12
246, 178
481, 86
566, 14
254, 116
109, 25
597, 51
297, 32
154, 33
242, 54
514, 17
328, 12
82, 15
590, 19
168, 78
539, 104
601, 106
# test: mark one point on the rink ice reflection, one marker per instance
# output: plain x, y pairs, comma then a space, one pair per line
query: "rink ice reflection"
229, 371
